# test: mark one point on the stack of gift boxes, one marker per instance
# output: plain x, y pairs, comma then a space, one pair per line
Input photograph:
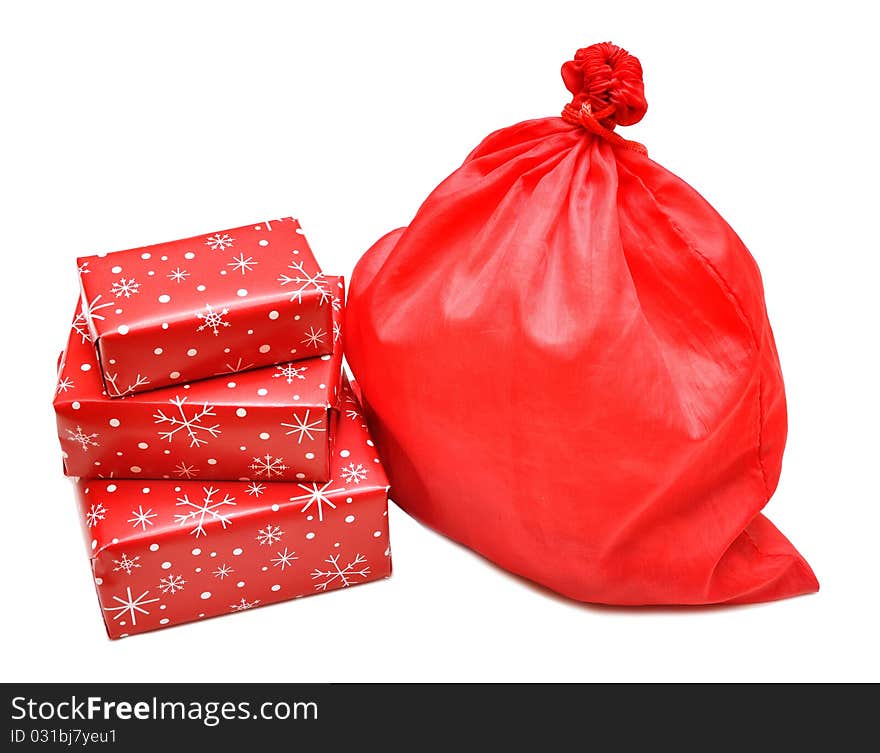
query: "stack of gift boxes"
220, 458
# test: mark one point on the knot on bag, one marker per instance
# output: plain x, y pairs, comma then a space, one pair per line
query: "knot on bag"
607, 90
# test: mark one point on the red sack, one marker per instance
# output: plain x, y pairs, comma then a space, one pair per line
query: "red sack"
568, 366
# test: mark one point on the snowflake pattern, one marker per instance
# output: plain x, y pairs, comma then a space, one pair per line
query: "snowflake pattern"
208, 510
130, 606
223, 571
268, 466
126, 563
178, 275
89, 311
337, 332
116, 391
354, 474
191, 425
242, 264
185, 471
82, 439
303, 282
64, 384
284, 559
125, 287
211, 319
303, 428
220, 241
314, 337
142, 518
340, 576
255, 489
336, 303
239, 366
83, 268
96, 512
244, 605
269, 535
290, 372
171, 584
316, 496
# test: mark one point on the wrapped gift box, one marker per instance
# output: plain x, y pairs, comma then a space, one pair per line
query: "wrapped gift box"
269, 424
168, 552
194, 308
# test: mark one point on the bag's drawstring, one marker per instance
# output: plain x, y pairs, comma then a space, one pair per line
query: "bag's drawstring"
584, 117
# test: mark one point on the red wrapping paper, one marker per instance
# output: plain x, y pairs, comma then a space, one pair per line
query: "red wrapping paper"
198, 307
166, 552
269, 424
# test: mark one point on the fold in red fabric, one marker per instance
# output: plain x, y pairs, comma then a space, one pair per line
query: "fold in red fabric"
567, 364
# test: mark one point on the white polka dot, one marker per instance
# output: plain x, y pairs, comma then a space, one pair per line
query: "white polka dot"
310, 535
154, 547
242, 448
164, 298
119, 454
349, 518
114, 422
250, 332
117, 311
325, 358
99, 581
273, 314
296, 397
174, 375
150, 273
163, 258
240, 584
275, 508
377, 534
116, 270
237, 551
375, 460
196, 552
157, 351
264, 242
198, 569
75, 405
164, 621
241, 412
264, 568
166, 565
213, 554
369, 443
300, 475
146, 255
145, 490
344, 453
296, 318
191, 352
264, 435
310, 456
142, 445
231, 385
212, 461
241, 292
86, 367
122, 329
189, 255
262, 391
265, 348
225, 350
200, 288
94, 543
205, 595
276, 587
64, 454
166, 452
114, 540
111, 488
164, 325
136, 469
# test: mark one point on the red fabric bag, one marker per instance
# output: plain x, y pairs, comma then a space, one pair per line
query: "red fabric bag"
568, 366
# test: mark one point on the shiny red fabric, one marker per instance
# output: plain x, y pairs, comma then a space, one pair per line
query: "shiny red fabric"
568, 367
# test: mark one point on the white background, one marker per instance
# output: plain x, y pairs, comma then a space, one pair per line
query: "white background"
123, 127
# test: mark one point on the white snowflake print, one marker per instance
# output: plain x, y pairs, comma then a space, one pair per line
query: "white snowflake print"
126, 563
125, 287
82, 268
239, 366
211, 319
185, 471
130, 605
304, 282
243, 605
316, 496
340, 576
142, 518
171, 584
220, 241
96, 512
351, 410
336, 303
178, 275
82, 439
242, 264
337, 332
269, 535
64, 384
268, 466
255, 489
81, 327
354, 474
290, 372
224, 571
284, 559
304, 428
208, 510
116, 391
89, 311
191, 425
314, 337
